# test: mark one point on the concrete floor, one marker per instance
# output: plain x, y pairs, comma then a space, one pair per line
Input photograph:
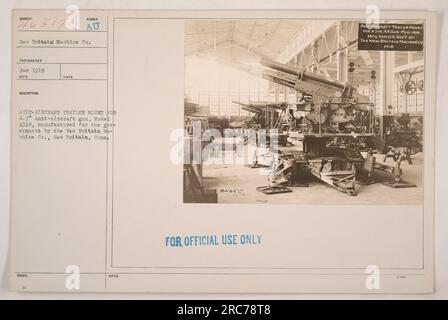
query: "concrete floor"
237, 184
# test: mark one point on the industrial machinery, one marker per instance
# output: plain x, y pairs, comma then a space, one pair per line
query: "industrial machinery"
333, 125
333, 107
269, 115
264, 114
193, 188
402, 136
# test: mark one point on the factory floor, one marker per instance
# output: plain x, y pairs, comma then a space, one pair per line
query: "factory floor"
237, 183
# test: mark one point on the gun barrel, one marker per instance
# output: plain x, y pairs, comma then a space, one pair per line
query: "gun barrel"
280, 78
250, 109
279, 66
281, 82
303, 75
318, 78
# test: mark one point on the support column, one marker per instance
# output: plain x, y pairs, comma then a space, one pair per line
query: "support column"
276, 92
386, 85
411, 57
342, 65
296, 65
341, 56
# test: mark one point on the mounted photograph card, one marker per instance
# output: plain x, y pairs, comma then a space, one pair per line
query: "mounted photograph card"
222, 151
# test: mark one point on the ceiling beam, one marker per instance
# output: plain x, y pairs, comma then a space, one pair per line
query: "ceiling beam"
271, 35
251, 34
232, 32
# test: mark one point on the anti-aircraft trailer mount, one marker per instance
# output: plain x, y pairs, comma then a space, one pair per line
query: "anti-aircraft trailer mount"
332, 123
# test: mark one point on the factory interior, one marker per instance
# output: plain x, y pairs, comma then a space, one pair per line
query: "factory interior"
290, 111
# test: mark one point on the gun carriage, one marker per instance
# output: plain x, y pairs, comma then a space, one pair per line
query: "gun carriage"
328, 131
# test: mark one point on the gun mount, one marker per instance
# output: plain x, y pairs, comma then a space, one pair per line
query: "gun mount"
333, 106
332, 122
